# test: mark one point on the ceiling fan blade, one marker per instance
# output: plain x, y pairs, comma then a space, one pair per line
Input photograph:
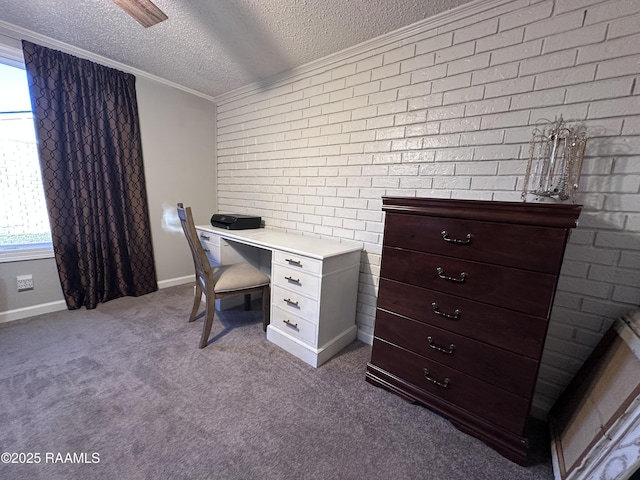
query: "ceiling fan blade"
143, 11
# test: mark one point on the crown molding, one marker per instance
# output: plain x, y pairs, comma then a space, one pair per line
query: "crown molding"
459, 13
16, 34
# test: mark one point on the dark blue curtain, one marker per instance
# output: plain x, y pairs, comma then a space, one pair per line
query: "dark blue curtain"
88, 132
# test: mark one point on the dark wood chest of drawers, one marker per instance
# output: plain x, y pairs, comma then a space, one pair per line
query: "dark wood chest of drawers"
466, 288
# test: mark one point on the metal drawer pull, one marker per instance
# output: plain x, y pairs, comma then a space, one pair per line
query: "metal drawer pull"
448, 351
293, 280
290, 302
455, 316
293, 262
292, 325
205, 237
443, 384
446, 238
441, 274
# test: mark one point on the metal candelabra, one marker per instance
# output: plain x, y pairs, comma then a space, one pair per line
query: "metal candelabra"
555, 162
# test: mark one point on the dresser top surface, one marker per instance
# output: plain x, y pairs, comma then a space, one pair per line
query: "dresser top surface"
544, 214
314, 247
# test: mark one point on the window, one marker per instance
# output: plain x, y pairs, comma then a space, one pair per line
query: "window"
24, 223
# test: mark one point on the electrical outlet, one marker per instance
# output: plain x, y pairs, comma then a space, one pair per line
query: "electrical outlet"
25, 282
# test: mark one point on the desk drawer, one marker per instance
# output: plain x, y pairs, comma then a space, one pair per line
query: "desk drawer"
293, 325
295, 280
297, 262
211, 245
488, 402
299, 305
218, 250
207, 237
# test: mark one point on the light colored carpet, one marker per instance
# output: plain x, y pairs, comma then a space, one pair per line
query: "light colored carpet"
126, 381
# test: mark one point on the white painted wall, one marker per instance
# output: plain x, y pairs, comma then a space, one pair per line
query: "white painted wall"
178, 144
446, 108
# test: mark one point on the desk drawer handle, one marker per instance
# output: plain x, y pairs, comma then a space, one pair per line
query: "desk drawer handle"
446, 238
442, 275
297, 263
288, 301
443, 384
293, 280
205, 237
206, 249
292, 325
448, 351
455, 316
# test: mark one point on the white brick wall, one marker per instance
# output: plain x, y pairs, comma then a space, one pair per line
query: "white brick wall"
447, 110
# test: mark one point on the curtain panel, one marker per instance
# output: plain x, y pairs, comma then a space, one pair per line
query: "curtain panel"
88, 133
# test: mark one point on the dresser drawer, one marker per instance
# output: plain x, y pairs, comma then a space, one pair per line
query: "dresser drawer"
482, 399
293, 325
522, 246
519, 290
295, 280
498, 367
290, 301
297, 262
513, 331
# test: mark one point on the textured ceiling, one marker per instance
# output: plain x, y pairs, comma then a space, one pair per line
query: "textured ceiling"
215, 46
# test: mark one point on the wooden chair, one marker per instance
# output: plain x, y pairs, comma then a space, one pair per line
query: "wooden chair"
221, 281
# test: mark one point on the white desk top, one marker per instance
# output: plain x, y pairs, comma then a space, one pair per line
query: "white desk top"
319, 248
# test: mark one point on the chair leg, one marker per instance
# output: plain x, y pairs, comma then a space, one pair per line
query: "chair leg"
197, 298
266, 306
208, 321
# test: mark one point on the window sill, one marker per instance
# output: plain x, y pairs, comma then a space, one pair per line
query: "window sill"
22, 254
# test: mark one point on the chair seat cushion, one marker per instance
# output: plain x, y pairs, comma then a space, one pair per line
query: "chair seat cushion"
237, 277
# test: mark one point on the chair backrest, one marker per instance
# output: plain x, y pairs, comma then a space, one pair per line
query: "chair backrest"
200, 260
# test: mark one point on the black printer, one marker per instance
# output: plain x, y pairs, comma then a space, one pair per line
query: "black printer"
235, 221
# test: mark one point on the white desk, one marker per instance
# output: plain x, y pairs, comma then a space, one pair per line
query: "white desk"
314, 285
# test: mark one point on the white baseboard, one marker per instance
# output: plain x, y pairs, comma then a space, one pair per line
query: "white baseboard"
50, 307
172, 282
19, 313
